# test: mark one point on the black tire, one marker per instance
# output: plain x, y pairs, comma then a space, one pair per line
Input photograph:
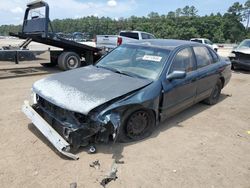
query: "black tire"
232, 67
69, 61
137, 126
48, 64
215, 95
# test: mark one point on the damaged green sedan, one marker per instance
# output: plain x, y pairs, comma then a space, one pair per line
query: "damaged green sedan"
126, 94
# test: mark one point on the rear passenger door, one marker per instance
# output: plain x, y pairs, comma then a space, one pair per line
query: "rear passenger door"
207, 72
180, 93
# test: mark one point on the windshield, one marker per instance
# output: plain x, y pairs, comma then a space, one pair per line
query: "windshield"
244, 44
138, 61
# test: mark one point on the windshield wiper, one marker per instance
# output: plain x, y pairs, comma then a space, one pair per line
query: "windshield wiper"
131, 74
109, 68
126, 73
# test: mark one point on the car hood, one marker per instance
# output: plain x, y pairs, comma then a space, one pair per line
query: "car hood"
86, 88
242, 50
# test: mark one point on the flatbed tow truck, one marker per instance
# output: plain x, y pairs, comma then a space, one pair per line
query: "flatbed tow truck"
39, 29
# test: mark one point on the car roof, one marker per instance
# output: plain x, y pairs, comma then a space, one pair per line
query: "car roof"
169, 44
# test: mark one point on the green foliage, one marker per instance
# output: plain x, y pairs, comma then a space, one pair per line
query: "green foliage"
180, 24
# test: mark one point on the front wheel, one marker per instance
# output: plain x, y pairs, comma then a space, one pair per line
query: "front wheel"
215, 95
137, 126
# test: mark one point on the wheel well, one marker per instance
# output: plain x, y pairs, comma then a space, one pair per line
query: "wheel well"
134, 108
222, 81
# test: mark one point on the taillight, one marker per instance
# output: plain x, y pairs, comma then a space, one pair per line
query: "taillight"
119, 41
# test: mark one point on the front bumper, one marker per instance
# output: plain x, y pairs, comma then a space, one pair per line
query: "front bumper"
55, 139
241, 63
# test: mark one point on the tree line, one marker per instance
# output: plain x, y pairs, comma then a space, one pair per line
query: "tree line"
184, 23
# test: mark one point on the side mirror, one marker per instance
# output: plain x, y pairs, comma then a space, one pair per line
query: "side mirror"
176, 75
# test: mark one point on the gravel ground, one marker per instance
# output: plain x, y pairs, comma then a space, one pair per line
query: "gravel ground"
204, 146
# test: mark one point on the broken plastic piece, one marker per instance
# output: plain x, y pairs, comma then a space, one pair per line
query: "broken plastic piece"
57, 140
95, 164
112, 175
73, 185
92, 150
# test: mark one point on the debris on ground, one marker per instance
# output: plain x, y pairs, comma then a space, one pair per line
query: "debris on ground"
92, 150
95, 164
239, 135
119, 162
73, 185
112, 175
229, 95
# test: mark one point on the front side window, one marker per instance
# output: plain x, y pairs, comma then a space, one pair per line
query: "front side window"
183, 61
144, 36
151, 37
203, 56
208, 42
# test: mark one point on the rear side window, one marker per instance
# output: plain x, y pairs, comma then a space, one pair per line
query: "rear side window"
130, 35
215, 56
183, 61
203, 56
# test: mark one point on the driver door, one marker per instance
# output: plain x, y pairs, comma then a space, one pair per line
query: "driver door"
179, 94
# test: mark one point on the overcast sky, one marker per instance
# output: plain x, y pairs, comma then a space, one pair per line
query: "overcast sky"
12, 11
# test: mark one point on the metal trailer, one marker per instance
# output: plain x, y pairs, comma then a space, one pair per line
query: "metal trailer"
39, 29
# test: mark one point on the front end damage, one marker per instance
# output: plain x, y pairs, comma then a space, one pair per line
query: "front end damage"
240, 59
68, 130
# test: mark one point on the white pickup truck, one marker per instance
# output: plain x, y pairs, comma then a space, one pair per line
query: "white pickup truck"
205, 41
112, 41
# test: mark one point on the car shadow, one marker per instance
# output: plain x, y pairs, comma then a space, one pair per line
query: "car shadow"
116, 149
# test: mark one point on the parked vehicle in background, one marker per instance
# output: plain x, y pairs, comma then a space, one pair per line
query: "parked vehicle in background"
240, 56
38, 28
207, 42
112, 41
127, 93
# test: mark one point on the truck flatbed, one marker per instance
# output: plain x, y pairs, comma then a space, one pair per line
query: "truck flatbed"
39, 29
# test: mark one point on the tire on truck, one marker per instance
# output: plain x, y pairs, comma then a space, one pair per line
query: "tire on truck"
53, 61
69, 61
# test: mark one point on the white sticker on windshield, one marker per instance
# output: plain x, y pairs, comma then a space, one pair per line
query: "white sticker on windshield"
152, 58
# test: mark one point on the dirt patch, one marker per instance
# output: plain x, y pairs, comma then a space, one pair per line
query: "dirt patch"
201, 147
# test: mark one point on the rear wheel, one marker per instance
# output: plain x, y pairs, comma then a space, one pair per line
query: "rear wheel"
215, 95
69, 60
232, 67
137, 126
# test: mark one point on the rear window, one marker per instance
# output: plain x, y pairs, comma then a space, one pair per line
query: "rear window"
196, 40
130, 35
